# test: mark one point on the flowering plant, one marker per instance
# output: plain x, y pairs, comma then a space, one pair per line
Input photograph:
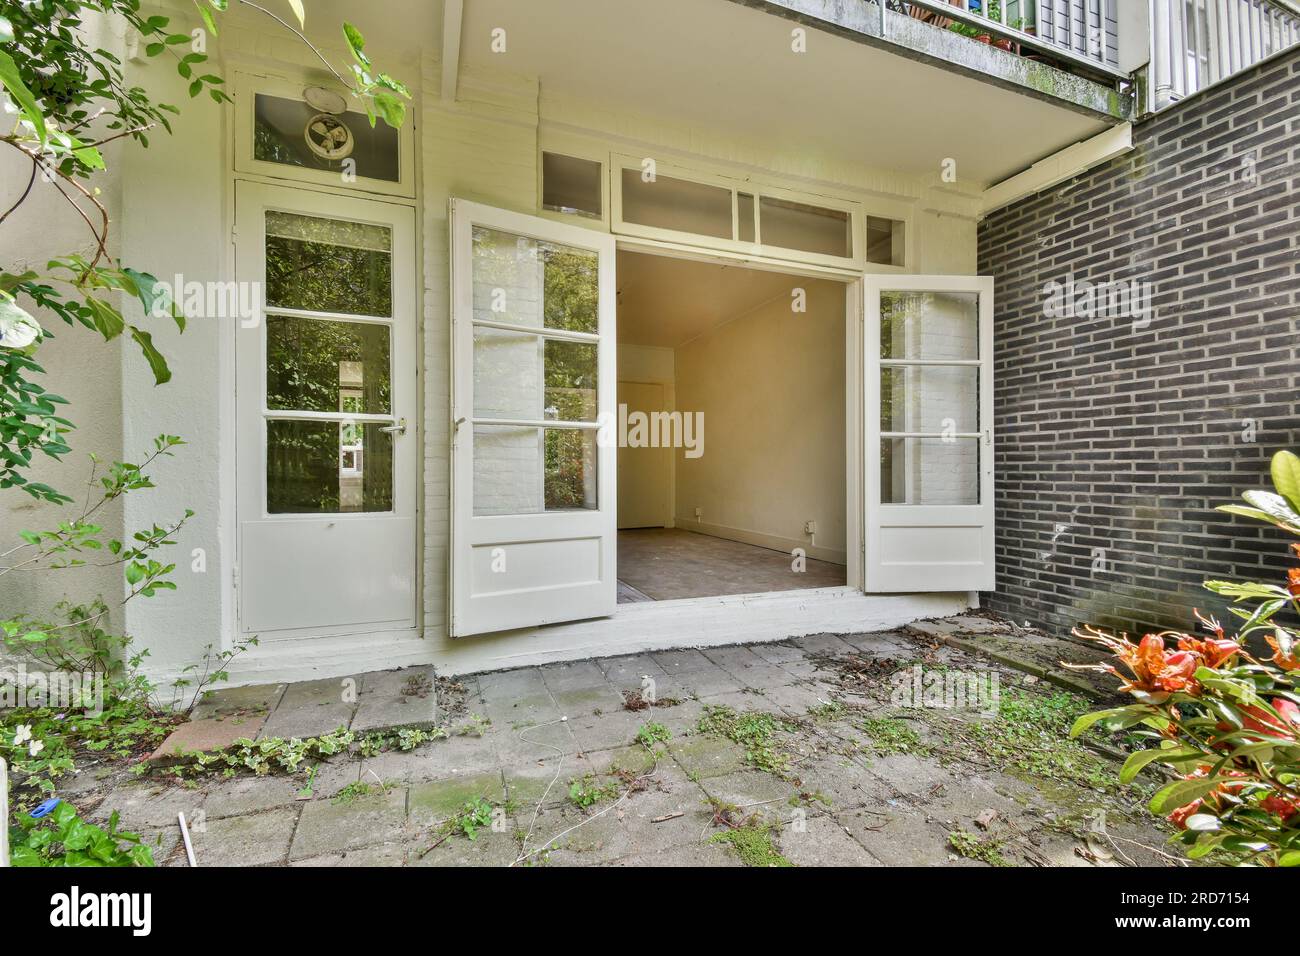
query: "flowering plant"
1224, 721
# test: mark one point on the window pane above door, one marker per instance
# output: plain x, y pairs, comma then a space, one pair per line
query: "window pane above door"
532, 283
667, 202
319, 365
932, 326
280, 135
806, 228
328, 265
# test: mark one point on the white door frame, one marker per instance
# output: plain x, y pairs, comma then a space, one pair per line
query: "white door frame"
533, 593
951, 546
252, 199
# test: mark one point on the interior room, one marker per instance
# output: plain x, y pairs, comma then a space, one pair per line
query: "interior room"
731, 461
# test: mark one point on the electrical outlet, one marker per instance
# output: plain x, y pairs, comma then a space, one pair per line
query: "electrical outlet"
810, 527
699, 513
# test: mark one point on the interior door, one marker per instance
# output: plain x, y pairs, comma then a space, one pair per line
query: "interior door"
929, 429
533, 487
326, 397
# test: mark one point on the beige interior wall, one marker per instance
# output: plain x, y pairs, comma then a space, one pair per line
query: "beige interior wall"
655, 366
771, 386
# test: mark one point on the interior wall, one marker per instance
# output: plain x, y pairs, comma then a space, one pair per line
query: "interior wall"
645, 475
771, 386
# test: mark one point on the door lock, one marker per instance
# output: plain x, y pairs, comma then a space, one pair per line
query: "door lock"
399, 428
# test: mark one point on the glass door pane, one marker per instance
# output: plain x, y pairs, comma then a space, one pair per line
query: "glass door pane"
535, 316
329, 403
929, 398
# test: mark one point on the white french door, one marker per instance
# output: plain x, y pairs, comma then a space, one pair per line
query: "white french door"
326, 412
929, 427
533, 372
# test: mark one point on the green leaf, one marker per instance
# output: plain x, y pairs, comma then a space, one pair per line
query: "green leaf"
1285, 470
206, 14
107, 320
1127, 716
13, 82
356, 43
391, 109
1135, 762
6, 30
1289, 858
1180, 793
296, 6
161, 373
1277, 508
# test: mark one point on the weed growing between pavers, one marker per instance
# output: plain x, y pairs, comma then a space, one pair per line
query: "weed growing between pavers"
891, 735
750, 836
972, 847
287, 755
755, 731
349, 794
585, 792
1030, 734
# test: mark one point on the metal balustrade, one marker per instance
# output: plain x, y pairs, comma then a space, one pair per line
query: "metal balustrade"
1196, 43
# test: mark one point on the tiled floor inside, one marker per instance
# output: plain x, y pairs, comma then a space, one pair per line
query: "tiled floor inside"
663, 564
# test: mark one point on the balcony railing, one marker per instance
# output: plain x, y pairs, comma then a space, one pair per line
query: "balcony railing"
1195, 43
1077, 34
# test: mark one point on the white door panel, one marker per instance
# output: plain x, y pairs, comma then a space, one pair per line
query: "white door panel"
533, 490
929, 428
327, 405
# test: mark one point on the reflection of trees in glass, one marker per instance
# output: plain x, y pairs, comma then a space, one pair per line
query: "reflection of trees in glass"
570, 459
306, 370
327, 278
571, 289
571, 302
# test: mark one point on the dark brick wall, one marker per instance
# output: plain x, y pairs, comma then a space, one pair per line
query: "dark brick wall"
1115, 437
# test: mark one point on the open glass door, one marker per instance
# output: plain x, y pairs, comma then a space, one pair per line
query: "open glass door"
929, 448
533, 493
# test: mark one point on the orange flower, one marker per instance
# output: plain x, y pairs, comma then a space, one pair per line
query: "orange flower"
1282, 806
1293, 581
1284, 650
1179, 817
1213, 653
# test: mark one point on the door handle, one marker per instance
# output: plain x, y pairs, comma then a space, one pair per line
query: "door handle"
399, 428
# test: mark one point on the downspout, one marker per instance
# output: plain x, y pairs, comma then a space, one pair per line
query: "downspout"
1162, 92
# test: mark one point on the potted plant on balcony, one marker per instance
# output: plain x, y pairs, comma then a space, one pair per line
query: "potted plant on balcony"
994, 12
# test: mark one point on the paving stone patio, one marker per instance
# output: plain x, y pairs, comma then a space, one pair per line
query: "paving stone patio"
519, 741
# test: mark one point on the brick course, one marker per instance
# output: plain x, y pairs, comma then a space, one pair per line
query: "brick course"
1123, 438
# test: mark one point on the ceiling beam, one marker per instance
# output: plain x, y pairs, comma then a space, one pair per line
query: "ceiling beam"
453, 11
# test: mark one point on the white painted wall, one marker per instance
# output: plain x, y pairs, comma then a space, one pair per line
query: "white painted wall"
770, 385
79, 365
483, 146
